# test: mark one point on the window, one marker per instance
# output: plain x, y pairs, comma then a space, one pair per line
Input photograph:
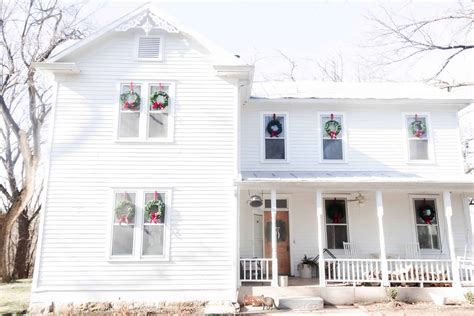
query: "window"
280, 203
146, 111
275, 136
427, 223
149, 48
336, 223
140, 224
418, 137
332, 134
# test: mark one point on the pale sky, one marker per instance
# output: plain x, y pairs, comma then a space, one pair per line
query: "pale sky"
304, 30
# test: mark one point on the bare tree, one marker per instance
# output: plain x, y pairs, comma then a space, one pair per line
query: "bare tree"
30, 31
405, 38
332, 68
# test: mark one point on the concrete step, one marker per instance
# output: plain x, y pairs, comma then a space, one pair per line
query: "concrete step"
301, 303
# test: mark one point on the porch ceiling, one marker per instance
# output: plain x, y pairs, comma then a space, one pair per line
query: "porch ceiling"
358, 180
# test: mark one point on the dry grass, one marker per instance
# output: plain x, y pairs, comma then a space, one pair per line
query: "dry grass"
15, 296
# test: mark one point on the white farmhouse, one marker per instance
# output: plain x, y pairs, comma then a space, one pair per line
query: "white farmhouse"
173, 177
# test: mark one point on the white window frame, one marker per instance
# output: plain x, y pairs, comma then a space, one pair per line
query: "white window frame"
144, 111
440, 224
331, 198
263, 137
160, 52
431, 156
139, 224
343, 137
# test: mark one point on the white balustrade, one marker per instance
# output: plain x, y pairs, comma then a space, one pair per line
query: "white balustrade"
466, 271
256, 270
353, 270
419, 271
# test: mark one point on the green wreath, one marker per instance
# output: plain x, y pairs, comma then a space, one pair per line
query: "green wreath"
418, 128
335, 212
130, 100
274, 127
155, 105
125, 212
154, 211
426, 213
332, 128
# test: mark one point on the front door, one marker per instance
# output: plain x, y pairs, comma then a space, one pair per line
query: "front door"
283, 240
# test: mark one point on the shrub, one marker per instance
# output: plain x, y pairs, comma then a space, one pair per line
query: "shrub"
469, 296
391, 294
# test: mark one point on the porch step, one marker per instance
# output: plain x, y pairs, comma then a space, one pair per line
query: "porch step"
301, 303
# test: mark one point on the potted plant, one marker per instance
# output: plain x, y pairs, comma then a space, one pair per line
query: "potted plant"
306, 267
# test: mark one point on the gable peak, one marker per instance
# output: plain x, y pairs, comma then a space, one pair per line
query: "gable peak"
147, 21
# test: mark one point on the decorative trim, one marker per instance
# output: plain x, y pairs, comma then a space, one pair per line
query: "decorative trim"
147, 22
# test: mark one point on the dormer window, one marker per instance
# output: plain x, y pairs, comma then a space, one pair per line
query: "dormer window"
150, 48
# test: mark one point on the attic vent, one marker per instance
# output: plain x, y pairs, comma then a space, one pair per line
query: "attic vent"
149, 47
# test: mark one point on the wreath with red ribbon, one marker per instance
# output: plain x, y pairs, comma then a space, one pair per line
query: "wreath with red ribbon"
418, 128
335, 211
130, 100
125, 212
332, 127
155, 210
157, 104
274, 127
426, 213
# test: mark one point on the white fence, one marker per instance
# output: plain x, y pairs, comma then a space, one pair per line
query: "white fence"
353, 270
255, 270
419, 271
466, 271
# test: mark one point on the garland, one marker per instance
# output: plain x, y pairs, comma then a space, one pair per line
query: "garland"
426, 213
154, 210
335, 212
274, 127
125, 212
332, 127
130, 100
155, 104
417, 128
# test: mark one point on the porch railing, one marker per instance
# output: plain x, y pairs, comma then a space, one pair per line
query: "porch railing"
255, 270
466, 270
353, 270
420, 271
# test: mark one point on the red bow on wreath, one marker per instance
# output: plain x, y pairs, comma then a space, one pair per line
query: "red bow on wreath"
154, 218
123, 219
157, 105
337, 218
427, 220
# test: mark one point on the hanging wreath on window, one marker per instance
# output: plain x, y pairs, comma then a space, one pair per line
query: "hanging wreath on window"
417, 128
159, 100
426, 213
332, 127
274, 127
130, 100
335, 212
155, 210
125, 212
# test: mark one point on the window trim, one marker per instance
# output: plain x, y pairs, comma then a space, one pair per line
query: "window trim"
160, 52
330, 198
138, 227
440, 213
144, 112
431, 155
343, 138
262, 137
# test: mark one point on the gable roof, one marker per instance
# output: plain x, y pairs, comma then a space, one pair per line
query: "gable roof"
147, 18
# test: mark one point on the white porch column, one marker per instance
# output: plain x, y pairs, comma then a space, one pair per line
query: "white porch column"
319, 213
274, 239
383, 254
448, 211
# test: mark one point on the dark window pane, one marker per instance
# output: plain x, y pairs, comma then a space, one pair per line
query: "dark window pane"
274, 149
332, 149
335, 211
428, 237
280, 204
336, 235
122, 240
418, 149
153, 236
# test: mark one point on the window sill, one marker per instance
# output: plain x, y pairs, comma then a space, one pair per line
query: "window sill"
333, 161
143, 141
137, 260
421, 162
274, 161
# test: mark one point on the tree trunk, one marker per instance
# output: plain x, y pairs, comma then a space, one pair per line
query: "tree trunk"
20, 266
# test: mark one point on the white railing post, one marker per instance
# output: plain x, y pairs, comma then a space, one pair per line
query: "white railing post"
319, 212
448, 211
274, 240
383, 255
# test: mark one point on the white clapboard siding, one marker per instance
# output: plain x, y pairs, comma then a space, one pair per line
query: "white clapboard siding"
86, 161
375, 137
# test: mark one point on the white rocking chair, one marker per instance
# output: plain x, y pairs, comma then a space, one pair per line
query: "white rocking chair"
351, 251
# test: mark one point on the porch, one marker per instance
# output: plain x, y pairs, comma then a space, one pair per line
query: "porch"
381, 238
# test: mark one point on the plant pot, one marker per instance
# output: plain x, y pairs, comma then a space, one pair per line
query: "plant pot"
438, 299
306, 271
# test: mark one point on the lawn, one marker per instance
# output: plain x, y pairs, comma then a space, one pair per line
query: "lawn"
15, 296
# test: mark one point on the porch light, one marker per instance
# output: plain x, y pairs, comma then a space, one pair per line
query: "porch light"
255, 201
